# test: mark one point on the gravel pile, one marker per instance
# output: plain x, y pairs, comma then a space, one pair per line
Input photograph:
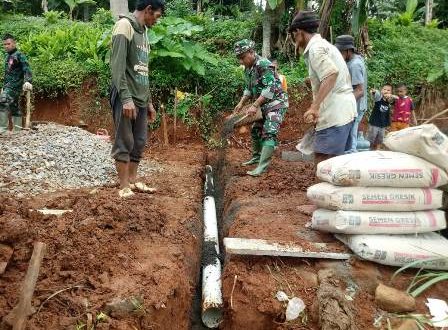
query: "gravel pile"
55, 157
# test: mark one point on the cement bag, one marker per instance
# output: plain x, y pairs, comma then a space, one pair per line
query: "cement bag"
381, 169
332, 197
425, 141
365, 222
400, 250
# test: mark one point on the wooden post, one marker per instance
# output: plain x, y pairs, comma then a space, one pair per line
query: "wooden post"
18, 316
28, 110
165, 129
175, 116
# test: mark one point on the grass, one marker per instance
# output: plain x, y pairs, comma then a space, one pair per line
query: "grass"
423, 280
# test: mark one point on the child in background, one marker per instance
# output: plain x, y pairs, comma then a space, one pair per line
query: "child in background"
403, 109
282, 77
380, 117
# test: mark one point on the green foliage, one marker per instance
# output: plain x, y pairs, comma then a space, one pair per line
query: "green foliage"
103, 18
62, 54
53, 16
179, 8
274, 3
219, 35
168, 42
433, 24
359, 15
406, 54
423, 280
295, 74
340, 18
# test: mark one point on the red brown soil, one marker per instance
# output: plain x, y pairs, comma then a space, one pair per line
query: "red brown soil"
147, 246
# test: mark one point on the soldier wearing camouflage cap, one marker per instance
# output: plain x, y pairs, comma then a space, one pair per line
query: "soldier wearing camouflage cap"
264, 87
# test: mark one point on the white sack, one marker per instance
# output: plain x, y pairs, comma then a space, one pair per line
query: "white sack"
381, 169
332, 197
400, 250
425, 141
366, 222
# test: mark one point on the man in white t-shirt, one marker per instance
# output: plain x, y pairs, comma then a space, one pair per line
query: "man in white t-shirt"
334, 106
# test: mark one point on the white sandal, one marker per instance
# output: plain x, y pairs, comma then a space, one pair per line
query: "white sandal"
142, 187
125, 193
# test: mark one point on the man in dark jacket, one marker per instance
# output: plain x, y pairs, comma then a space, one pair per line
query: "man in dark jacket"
130, 95
18, 77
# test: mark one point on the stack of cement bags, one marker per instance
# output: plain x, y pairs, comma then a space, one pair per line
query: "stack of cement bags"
389, 194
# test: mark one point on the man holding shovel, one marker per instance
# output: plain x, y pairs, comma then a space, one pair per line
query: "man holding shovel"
18, 77
264, 87
130, 97
334, 105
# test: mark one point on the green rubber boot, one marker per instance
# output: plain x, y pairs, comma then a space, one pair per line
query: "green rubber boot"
4, 121
16, 123
265, 159
256, 152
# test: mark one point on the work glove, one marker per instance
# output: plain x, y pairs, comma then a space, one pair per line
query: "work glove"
27, 87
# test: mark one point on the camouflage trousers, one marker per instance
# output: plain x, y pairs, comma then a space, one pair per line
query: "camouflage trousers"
267, 129
9, 102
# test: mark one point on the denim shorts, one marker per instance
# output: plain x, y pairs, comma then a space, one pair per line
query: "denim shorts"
334, 140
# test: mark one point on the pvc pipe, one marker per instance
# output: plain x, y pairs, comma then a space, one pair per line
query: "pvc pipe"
211, 272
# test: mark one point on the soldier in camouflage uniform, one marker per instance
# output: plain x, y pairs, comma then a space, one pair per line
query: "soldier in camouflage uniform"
18, 77
264, 87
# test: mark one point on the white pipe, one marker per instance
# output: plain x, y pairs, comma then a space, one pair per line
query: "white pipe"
211, 273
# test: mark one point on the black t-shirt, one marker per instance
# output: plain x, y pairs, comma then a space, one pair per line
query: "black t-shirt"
380, 116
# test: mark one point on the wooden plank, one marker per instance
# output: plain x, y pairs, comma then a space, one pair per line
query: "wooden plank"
57, 213
260, 247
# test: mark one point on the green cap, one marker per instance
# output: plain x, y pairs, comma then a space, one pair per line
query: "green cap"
243, 46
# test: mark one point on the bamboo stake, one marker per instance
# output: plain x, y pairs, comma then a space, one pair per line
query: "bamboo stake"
175, 116
164, 127
436, 116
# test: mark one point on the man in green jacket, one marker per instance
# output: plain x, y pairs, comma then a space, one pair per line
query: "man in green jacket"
130, 95
264, 87
18, 77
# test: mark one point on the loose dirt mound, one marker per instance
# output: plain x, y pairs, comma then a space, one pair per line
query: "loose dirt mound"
145, 248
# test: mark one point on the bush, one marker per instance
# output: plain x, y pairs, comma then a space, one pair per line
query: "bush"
219, 35
405, 54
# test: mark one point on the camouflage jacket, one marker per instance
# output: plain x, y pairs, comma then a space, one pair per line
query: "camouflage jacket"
261, 79
17, 71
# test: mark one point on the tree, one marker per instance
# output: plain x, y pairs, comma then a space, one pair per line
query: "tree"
325, 15
428, 11
268, 18
119, 7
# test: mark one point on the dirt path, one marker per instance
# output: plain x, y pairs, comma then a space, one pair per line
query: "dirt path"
146, 250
